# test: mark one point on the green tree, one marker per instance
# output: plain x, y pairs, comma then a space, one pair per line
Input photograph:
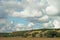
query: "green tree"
50, 33
58, 34
34, 34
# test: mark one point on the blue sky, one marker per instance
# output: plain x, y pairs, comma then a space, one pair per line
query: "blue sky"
19, 15
17, 20
23, 21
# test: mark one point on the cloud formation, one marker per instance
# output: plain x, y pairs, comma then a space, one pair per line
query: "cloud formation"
6, 26
35, 11
54, 5
23, 27
27, 13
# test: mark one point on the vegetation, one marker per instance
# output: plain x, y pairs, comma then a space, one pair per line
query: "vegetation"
50, 33
33, 33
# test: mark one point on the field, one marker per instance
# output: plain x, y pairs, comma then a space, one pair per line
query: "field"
18, 38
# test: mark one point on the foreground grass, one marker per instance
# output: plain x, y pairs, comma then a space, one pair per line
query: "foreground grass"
18, 38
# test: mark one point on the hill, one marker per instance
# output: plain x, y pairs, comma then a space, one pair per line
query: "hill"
33, 33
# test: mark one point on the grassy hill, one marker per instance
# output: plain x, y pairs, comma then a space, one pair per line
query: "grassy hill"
33, 33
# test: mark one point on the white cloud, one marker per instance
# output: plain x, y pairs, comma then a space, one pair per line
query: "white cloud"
51, 11
20, 27
48, 25
54, 3
56, 23
32, 11
27, 13
43, 19
30, 25
7, 0
12, 6
2, 21
6, 27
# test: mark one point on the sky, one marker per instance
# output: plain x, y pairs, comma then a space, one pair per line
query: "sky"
22, 15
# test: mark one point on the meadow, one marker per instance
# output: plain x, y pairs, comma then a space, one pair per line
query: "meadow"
18, 38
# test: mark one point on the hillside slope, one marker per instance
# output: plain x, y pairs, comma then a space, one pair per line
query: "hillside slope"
33, 33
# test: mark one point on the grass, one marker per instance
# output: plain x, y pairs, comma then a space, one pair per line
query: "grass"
18, 38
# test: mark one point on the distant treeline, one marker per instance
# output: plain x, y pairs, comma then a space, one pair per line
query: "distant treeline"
33, 33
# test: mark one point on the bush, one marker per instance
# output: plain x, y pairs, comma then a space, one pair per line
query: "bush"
41, 35
26, 35
50, 33
58, 34
34, 34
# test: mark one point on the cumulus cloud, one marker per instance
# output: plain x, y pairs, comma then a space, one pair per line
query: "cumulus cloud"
6, 26
43, 19
35, 11
48, 25
52, 11
20, 26
56, 4
27, 13
12, 6
56, 23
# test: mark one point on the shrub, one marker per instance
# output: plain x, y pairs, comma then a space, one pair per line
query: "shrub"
34, 34
58, 34
26, 35
41, 35
50, 33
